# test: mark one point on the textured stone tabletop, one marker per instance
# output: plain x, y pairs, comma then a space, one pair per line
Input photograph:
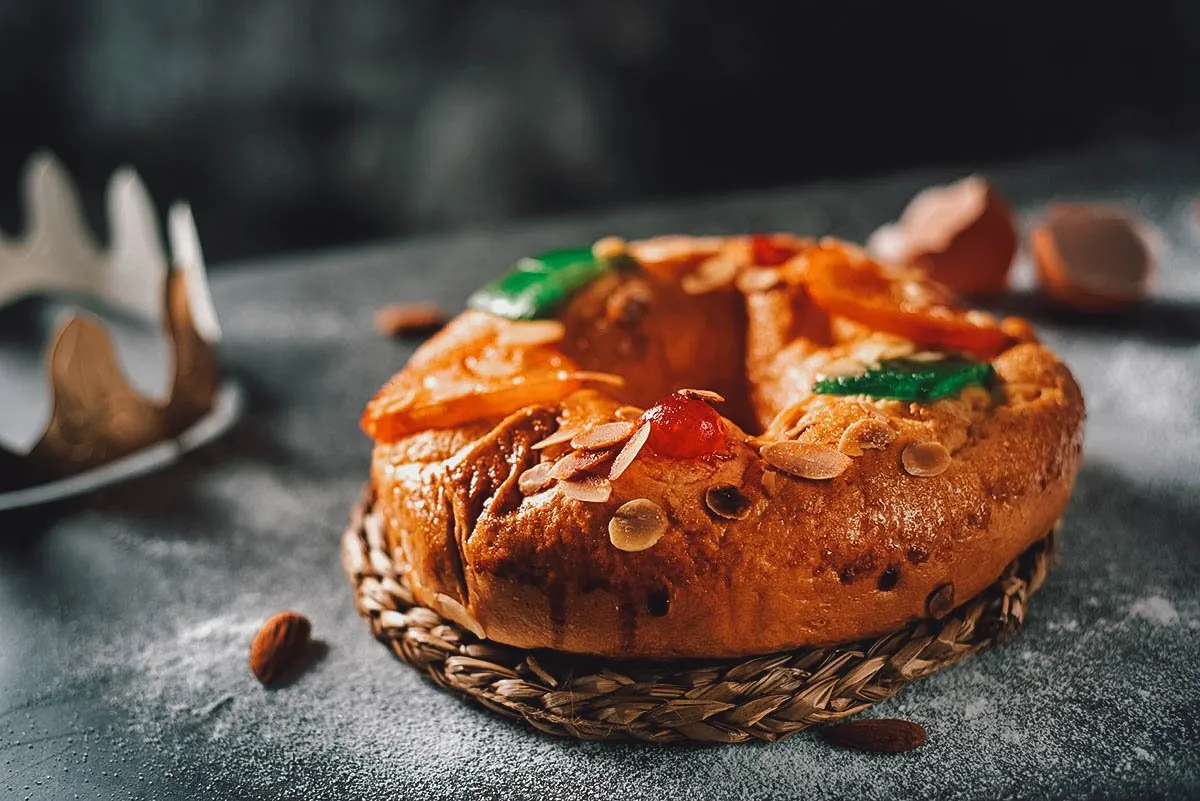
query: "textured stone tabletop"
125, 616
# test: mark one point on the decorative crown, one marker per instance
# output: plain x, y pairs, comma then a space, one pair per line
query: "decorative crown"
96, 416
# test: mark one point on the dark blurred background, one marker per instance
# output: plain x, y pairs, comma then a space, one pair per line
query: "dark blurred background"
294, 124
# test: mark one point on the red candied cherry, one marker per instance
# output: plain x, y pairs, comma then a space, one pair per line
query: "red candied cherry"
684, 428
767, 253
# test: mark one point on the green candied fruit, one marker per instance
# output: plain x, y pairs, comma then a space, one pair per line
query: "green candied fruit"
909, 380
554, 260
537, 285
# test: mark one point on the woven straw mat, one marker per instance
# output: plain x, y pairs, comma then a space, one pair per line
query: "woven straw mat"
727, 701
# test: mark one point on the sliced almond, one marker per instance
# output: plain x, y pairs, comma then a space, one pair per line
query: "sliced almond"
915, 294
706, 395
451, 609
795, 269
981, 318
817, 462
674, 248
495, 367
603, 436
599, 378
759, 279
768, 482
577, 462
840, 368
711, 274
803, 424
535, 479
398, 400
927, 356
609, 247
925, 459
637, 525
873, 351
530, 334
628, 413
727, 501
589, 490
629, 452
868, 433
557, 438
784, 418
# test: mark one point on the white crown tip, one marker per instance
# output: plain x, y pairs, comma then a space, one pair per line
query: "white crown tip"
49, 193
44, 161
125, 188
188, 258
59, 253
56, 252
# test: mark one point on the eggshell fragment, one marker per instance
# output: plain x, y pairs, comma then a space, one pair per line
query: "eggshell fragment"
1092, 257
962, 234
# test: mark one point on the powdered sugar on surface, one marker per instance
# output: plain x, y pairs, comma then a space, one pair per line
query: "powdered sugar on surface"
1156, 609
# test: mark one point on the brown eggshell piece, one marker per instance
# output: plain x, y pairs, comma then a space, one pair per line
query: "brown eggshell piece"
1092, 257
962, 234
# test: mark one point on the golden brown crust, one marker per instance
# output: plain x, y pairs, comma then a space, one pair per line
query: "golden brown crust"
808, 562
645, 327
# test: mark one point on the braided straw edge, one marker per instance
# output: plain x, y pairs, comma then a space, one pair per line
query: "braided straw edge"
729, 701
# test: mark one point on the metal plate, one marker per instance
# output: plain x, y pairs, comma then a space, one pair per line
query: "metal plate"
225, 412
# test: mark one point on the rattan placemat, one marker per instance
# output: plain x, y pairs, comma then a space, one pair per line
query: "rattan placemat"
726, 701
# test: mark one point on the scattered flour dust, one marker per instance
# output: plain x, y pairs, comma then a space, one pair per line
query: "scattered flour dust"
979, 708
1155, 609
185, 672
192, 696
359, 723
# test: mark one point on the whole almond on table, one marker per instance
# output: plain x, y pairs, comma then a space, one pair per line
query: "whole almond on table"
888, 735
400, 319
278, 646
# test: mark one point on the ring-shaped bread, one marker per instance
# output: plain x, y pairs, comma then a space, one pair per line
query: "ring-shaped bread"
710, 448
